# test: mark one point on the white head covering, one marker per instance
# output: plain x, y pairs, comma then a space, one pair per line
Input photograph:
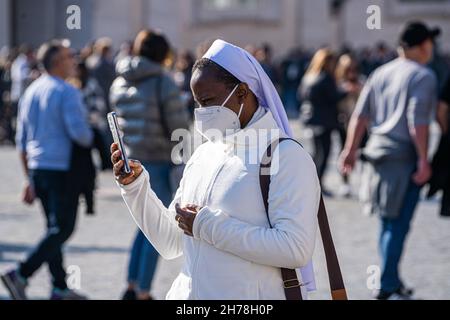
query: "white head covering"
247, 69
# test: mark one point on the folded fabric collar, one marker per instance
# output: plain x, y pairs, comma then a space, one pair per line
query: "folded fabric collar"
250, 136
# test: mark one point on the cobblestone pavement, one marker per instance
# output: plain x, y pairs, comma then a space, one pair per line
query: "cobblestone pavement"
101, 243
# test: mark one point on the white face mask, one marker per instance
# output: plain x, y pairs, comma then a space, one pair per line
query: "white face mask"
217, 121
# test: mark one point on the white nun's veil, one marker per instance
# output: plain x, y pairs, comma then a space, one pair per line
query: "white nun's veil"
247, 69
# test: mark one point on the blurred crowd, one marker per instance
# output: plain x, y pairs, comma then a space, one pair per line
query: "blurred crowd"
148, 84
96, 71
97, 68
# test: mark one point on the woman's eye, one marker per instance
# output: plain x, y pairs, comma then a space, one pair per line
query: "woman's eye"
204, 103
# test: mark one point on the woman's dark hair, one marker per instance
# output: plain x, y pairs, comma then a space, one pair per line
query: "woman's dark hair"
152, 45
221, 74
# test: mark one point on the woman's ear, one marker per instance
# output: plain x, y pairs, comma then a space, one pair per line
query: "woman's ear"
243, 92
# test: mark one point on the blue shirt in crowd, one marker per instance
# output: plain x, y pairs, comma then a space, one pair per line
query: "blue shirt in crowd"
51, 116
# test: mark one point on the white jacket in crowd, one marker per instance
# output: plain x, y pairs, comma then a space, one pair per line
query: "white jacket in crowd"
234, 253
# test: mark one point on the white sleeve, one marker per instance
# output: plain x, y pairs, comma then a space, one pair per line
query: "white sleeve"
293, 206
155, 220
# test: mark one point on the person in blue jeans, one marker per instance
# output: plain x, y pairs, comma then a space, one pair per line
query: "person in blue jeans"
51, 118
144, 257
397, 105
392, 239
149, 106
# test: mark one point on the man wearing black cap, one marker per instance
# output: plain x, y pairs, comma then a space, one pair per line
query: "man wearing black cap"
397, 105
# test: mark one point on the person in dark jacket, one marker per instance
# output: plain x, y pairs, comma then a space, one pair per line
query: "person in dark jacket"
81, 178
292, 70
94, 99
82, 174
348, 79
101, 66
320, 97
440, 180
149, 108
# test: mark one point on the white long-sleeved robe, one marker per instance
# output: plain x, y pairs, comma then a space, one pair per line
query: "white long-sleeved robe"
234, 254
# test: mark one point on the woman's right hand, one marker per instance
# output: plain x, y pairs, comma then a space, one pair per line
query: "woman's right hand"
135, 166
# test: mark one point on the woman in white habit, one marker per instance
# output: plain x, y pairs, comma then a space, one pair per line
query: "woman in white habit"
217, 219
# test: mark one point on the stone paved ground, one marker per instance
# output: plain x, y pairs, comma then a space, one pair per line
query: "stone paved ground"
100, 245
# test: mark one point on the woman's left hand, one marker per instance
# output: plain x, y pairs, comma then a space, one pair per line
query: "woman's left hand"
186, 216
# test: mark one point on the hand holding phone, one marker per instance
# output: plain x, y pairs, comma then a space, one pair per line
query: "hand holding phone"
115, 130
118, 163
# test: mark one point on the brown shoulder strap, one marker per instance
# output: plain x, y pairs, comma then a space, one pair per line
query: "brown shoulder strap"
290, 280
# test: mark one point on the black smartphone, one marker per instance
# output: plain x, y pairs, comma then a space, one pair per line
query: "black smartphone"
117, 136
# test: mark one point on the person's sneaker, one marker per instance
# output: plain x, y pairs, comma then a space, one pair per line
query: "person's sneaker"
398, 296
15, 284
401, 294
67, 294
129, 295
